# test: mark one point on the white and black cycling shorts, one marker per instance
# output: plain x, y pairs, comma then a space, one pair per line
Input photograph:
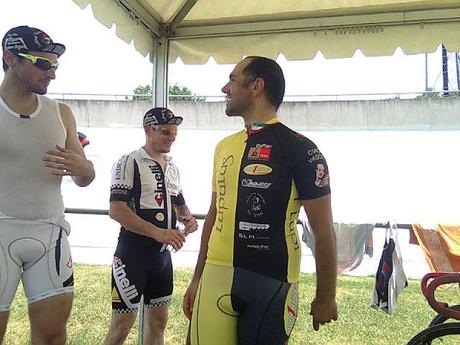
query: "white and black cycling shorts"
37, 252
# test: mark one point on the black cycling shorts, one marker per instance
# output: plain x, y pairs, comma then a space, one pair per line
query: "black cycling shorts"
139, 271
234, 306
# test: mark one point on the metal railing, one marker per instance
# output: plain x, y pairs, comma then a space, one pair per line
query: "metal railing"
287, 98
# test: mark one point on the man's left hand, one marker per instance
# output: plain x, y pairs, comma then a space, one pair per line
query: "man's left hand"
191, 225
64, 162
323, 312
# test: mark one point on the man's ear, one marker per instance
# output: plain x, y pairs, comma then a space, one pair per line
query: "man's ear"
10, 58
258, 86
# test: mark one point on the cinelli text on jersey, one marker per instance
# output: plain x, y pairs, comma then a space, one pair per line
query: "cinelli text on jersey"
140, 181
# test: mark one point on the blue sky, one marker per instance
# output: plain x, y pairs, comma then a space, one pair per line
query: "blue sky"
98, 62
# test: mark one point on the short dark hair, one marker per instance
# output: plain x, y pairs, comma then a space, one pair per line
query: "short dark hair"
271, 73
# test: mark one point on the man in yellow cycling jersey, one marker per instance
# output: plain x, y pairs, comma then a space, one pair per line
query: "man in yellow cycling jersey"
244, 289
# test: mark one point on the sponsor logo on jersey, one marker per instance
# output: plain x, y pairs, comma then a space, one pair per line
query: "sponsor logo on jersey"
257, 169
245, 236
255, 205
160, 185
258, 246
69, 262
314, 155
247, 226
126, 290
254, 184
260, 152
172, 180
222, 191
120, 168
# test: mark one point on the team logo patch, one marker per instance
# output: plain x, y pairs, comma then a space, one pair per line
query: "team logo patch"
257, 169
255, 205
160, 217
321, 175
159, 199
69, 262
43, 39
115, 296
260, 152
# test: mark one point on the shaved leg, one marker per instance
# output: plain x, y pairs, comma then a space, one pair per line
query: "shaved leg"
48, 319
3, 322
155, 325
119, 328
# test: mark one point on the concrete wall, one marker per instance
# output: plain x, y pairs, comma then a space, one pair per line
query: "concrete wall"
394, 114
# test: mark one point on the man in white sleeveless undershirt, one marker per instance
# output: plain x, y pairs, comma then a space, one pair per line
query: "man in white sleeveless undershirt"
38, 146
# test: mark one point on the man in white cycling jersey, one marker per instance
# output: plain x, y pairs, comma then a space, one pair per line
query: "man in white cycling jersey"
38, 146
146, 199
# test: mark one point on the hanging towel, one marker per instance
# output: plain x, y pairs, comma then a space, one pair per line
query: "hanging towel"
390, 278
353, 241
441, 246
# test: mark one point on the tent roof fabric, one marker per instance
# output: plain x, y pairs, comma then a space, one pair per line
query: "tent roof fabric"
298, 29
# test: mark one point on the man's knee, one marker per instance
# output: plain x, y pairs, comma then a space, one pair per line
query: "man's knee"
49, 337
48, 319
157, 318
159, 323
120, 327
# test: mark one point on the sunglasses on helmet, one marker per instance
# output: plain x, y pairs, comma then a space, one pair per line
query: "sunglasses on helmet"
40, 62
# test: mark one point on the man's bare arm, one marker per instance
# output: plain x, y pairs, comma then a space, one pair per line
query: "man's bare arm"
70, 160
319, 213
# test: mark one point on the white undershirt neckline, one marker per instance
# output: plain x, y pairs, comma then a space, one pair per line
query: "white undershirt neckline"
21, 116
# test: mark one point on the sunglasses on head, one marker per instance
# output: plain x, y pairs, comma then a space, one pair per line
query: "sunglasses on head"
166, 130
40, 62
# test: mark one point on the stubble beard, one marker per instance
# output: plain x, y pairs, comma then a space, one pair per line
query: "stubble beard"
232, 111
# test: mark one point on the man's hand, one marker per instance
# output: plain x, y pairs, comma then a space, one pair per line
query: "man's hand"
173, 237
323, 312
64, 162
191, 225
189, 299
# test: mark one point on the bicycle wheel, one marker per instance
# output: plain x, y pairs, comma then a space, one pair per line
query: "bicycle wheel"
443, 333
438, 319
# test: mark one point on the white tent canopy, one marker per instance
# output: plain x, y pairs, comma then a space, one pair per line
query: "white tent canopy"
228, 30
195, 30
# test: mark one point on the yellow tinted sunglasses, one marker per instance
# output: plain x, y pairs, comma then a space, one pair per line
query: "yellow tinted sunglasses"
166, 130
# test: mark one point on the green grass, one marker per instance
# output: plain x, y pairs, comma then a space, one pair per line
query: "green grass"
358, 324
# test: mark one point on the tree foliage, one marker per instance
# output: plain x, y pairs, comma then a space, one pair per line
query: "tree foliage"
143, 93
176, 93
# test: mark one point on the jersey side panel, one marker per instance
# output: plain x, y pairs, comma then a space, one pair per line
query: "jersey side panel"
292, 237
227, 163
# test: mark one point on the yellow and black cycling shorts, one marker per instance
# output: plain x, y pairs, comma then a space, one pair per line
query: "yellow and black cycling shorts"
234, 306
